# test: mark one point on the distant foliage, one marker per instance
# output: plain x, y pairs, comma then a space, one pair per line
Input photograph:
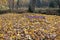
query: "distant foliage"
51, 4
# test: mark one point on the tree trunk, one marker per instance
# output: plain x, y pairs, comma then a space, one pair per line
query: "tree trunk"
32, 5
17, 6
11, 4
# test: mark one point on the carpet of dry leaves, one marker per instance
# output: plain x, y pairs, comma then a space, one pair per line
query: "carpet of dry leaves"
29, 26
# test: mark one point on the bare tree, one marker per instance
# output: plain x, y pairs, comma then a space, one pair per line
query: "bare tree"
11, 4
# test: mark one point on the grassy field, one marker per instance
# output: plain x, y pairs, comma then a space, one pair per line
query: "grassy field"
29, 26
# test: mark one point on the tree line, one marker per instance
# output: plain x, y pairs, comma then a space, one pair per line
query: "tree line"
32, 4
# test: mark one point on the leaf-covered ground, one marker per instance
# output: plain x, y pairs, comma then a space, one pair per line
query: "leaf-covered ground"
29, 26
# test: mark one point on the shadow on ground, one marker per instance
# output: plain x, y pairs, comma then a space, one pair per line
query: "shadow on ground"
20, 12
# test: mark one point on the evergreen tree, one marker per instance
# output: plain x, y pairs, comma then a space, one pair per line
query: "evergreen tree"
38, 3
32, 5
17, 6
58, 3
51, 4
